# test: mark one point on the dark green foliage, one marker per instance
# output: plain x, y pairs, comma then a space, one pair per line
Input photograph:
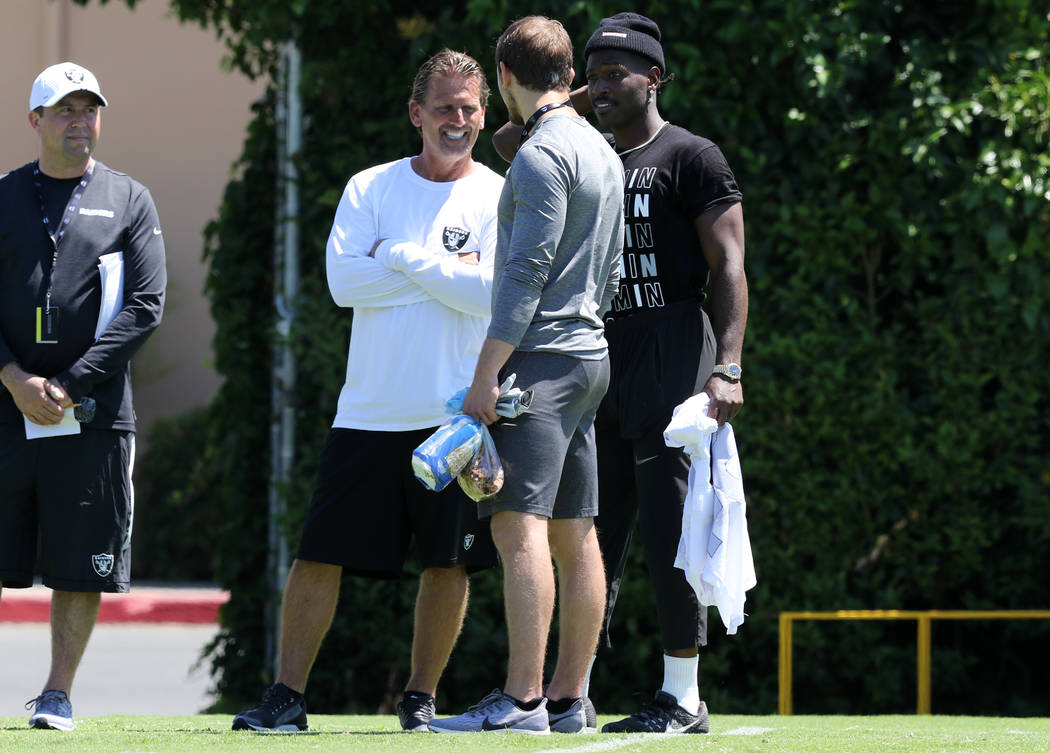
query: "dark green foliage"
239, 252
174, 519
895, 163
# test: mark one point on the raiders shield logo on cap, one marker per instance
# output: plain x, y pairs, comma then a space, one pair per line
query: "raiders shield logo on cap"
454, 238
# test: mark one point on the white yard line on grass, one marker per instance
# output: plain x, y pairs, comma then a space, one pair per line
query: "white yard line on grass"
642, 739
637, 739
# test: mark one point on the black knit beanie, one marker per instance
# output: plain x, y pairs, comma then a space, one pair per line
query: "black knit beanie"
628, 31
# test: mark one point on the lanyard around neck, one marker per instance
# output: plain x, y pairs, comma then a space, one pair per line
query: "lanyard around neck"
539, 114
67, 216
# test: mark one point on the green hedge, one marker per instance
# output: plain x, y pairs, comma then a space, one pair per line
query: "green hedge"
895, 166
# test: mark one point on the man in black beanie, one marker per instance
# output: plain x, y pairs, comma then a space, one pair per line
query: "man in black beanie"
684, 232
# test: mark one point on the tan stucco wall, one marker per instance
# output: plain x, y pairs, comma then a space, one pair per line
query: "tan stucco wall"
175, 122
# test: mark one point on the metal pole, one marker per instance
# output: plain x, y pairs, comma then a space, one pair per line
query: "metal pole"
286, 287
922, 702
784, 700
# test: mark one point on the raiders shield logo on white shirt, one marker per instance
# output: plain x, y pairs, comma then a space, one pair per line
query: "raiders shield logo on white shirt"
454, 238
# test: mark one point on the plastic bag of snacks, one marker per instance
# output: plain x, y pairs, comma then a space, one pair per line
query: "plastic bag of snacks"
483, 475
456, 445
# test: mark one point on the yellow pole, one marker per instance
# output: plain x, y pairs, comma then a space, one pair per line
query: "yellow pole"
923, 702
784, 701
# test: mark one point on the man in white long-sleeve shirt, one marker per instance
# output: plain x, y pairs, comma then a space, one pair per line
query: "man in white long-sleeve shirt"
411, 251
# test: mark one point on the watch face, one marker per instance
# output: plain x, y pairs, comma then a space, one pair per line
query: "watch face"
733, 371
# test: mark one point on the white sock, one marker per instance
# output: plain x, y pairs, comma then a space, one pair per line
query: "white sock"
681, 681
587, 680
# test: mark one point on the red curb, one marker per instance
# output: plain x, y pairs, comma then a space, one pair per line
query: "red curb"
144, 605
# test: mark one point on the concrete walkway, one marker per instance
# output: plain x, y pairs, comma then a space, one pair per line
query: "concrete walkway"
143, 658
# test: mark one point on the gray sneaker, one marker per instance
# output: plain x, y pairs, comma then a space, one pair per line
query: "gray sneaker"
579, 718
497, 712
53, 711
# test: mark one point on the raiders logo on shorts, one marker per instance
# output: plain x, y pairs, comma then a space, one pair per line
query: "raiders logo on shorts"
454, 238
103, 564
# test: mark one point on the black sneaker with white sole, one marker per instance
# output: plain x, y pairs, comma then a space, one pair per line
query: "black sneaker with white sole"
663, 715
282, 710
415, 711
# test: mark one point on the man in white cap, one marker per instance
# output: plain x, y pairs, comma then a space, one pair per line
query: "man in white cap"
82, 274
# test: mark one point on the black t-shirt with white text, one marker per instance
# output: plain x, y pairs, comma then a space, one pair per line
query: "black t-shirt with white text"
668, 182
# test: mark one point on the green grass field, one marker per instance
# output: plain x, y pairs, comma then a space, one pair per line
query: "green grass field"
358, 734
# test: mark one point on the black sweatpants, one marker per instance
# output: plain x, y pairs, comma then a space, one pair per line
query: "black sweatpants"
658, 360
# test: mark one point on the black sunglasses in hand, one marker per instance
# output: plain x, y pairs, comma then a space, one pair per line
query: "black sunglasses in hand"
84, 411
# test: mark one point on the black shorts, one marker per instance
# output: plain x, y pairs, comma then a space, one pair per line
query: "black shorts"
659, 359
75, 494
368, 507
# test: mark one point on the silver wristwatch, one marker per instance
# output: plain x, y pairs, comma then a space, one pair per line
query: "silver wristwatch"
730, 371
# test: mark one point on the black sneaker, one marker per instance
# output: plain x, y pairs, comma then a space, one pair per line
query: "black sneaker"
415, 711
663, 715
281, 710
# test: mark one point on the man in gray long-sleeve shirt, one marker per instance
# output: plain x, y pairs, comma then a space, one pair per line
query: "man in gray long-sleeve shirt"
556, 272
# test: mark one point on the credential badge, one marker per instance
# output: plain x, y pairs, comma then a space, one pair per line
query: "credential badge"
454, 238
103, 564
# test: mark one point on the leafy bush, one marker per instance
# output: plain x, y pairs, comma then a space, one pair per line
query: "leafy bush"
895, 166
174, 518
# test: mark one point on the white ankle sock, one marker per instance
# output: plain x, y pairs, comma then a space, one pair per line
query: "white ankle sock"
681, 681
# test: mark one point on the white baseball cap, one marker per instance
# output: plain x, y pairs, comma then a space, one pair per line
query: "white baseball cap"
62, 79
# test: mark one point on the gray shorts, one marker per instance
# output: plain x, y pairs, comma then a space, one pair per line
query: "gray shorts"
549, 460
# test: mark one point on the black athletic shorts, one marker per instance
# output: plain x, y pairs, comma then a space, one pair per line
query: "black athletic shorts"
73, 494
369, 512
658, 359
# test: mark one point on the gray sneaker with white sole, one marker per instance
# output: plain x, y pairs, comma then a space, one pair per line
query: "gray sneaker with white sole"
497, 712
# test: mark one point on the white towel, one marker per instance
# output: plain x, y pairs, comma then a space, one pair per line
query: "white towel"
715, 550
